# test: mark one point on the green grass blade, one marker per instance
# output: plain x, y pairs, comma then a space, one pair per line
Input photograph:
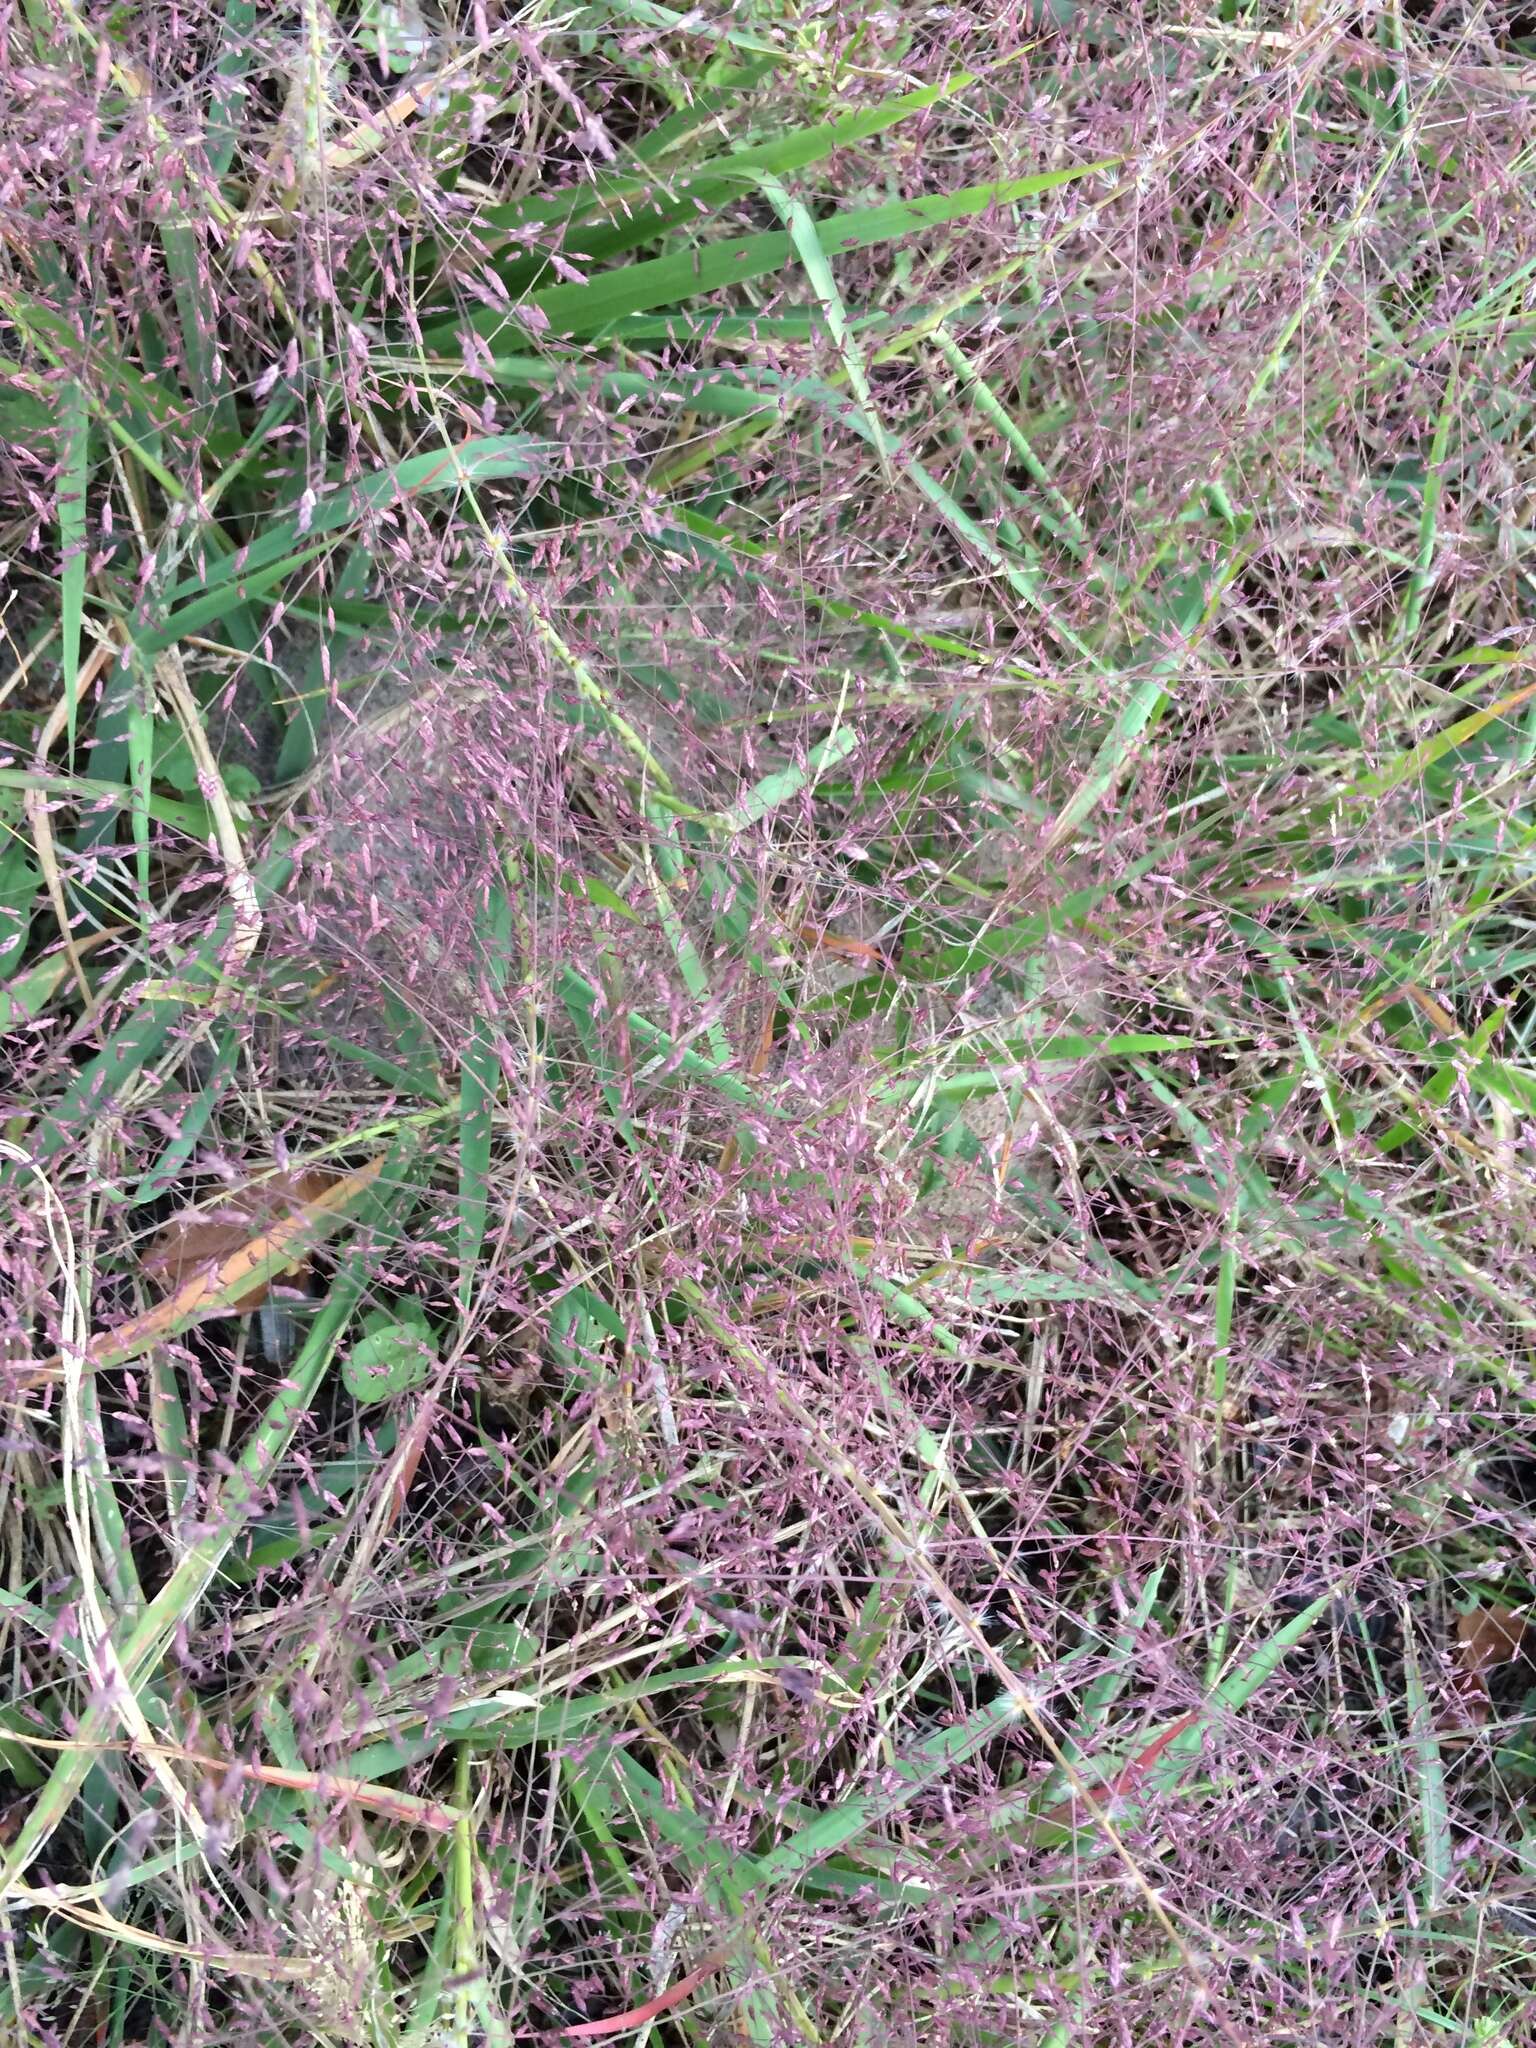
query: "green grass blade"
234, 61
808, 245
226, 1516
1072, 531
1412, 766
101, 1082
1113, 760
75, 430
293, 542
784, 784
665, 280
1260, 1665
923, 1766
1428, 1777
691, 193
479, 1083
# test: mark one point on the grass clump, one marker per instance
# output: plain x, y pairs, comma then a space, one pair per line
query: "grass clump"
765, 940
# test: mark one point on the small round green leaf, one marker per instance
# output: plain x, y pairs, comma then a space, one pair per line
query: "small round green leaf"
395, 1352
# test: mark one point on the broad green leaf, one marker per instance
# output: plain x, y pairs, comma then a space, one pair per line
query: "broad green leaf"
1512, 1084
598, 894
394, 33
173, 763
25, 999
20, 881
227, 97
591, 1304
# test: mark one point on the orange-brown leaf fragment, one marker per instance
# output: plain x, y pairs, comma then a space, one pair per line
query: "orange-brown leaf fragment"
1487, 1637
639, 2015
821, 940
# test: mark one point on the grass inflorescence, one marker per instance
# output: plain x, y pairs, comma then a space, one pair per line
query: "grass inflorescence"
766, 939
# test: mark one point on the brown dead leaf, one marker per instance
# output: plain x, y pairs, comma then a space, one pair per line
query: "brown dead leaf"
1487, 1637
276, 1240
202, 1238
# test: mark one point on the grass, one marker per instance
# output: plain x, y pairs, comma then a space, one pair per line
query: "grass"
766, 938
